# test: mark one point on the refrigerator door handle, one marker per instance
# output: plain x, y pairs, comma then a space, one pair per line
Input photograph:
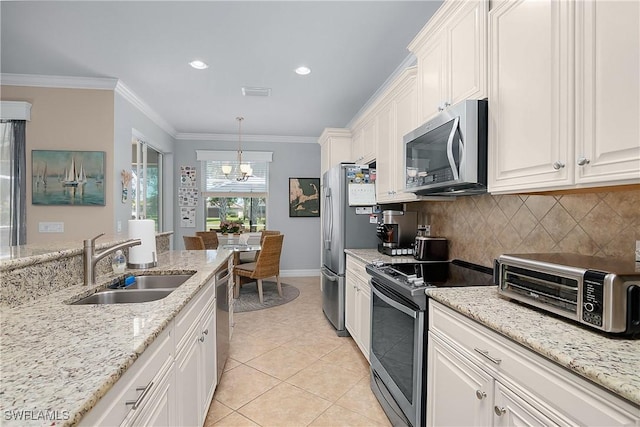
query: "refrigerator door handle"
328, 205
329, 275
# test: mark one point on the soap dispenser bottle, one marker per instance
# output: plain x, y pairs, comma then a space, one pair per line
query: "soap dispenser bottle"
118, 262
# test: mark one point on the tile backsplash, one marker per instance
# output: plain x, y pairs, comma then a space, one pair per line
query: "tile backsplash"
480, 228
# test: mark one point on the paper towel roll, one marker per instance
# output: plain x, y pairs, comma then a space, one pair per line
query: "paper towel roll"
144, 255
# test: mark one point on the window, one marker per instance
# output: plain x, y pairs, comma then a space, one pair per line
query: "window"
146, 184
229, 199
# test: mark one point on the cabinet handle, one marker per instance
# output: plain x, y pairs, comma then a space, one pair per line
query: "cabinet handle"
440, 108
499, 410
136, 403
558, 165
201, 339
447, 104
206, 331
583, 161
485, 353
480, 394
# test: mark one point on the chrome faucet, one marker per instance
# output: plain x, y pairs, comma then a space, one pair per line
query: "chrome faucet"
91, 258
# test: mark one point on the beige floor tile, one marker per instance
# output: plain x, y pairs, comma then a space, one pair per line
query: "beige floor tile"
235, 420
325, 380
337, 416
241, 385
282, 362
231, 363
285, 405
349, 357
315, 344
217, 411
361, 399
246, 347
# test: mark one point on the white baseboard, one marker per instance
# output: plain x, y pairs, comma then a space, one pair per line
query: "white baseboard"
300, 273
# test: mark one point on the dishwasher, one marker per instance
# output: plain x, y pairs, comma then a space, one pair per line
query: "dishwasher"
222, 317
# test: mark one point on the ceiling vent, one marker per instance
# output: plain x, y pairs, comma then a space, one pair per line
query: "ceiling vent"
256, 91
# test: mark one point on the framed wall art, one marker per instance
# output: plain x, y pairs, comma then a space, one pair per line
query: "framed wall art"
73, 178
304, 197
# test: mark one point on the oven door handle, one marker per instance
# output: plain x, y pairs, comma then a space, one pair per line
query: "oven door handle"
393, 303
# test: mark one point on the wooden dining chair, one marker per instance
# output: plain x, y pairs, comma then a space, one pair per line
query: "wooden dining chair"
192, 243
210, 239
267, 265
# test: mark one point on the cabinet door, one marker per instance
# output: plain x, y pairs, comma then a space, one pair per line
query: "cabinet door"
364, 308
458, 392
529, 106
608, 91
209, 359
431, 78
160, 409
351, 288
467, 53
511, 410
406, 120
385, 163
188, 388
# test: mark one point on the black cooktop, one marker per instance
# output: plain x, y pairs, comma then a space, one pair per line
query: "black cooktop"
410, 280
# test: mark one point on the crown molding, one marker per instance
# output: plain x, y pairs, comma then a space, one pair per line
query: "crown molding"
409, 61
221, 137
66, 82
130, 96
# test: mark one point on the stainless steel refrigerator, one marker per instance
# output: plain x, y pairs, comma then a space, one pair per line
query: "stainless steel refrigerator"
342, 228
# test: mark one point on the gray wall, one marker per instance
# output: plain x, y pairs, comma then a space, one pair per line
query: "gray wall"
301, 251
127, 118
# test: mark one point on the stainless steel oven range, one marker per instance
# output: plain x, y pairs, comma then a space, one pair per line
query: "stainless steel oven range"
398, 330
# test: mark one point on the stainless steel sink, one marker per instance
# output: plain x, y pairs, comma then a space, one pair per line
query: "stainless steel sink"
124, 296
159, 281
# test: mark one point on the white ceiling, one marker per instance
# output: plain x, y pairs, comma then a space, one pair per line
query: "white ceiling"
352, 47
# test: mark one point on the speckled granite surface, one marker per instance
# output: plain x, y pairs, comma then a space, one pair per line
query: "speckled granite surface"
58, 357
371, 255
613, 363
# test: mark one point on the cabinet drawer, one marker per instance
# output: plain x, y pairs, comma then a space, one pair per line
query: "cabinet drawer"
152, 365
189, 315
543, 383
357, 268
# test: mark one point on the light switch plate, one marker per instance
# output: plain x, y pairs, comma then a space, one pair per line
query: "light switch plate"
51, 227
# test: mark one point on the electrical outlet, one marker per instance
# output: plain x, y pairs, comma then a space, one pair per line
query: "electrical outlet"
51, 227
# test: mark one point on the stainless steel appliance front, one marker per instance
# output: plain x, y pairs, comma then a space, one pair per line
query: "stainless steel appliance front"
602, 293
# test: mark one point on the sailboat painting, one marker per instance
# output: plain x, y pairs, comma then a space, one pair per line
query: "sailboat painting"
68, 177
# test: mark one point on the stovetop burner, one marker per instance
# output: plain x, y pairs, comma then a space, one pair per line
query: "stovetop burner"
411, 279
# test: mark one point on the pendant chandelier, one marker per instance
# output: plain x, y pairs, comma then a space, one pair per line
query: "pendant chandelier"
244, 169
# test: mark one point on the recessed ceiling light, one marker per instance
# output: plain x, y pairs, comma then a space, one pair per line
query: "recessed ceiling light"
303, 71
198, 65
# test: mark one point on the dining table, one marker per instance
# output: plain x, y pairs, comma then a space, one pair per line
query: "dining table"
239, 248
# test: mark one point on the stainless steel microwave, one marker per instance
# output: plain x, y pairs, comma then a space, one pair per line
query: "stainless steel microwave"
448, 154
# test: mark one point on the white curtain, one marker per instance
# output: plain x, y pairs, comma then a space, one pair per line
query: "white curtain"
13, 161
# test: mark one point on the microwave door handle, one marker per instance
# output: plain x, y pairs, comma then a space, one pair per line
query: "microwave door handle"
452, 135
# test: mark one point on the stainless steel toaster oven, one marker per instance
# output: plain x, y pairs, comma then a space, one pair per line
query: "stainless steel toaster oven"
602, 293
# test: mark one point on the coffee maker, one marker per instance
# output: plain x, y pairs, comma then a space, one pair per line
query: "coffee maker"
397, 231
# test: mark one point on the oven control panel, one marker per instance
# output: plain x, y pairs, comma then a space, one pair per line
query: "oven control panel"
593, 297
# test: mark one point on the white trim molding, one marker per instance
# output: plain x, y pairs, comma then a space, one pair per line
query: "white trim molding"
15, 110
300, 273
130, 96
66, 82
227, 155
221, 137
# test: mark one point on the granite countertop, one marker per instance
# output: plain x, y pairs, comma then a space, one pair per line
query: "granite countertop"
21, 256
370, 255
59, 357
613, 363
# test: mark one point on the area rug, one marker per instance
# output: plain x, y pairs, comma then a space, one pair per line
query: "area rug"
249, 301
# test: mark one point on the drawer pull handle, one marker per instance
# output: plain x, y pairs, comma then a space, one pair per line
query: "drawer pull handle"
499, 410
201, 339
485, 353
136, 403
206, 331
480, 394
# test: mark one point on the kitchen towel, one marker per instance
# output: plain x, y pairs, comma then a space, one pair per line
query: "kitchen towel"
144, 255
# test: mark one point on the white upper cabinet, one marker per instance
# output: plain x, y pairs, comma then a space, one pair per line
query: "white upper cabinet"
335, 147
564, 96
452, 57
365, 140
608, 91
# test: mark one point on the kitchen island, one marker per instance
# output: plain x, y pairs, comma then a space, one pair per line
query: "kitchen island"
58, 360
612, 363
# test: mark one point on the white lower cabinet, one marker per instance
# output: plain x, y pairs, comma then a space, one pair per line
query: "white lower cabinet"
358, 304
173, 380
476, 377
